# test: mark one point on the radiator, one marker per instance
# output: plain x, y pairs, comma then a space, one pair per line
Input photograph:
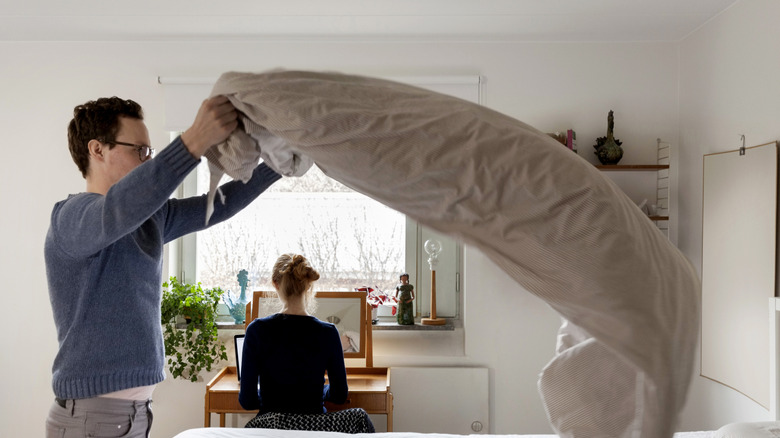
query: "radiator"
442, 399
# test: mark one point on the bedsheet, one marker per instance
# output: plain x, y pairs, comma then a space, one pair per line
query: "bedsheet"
223, 432
544, 215
226, 432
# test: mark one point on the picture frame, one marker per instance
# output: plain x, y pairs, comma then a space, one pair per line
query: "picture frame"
346, 310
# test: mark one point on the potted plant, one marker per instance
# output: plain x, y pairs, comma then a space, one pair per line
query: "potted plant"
192, 347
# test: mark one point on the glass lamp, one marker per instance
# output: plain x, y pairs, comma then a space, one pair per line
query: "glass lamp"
433, 248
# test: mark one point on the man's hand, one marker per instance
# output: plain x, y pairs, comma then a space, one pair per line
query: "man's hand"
216, 119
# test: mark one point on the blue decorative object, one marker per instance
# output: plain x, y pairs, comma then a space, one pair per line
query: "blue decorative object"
237, 307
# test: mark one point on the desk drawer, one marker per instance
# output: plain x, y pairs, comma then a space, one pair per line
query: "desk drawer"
371, 403
224, 402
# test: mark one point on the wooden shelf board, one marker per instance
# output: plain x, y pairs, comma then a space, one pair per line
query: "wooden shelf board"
629, 167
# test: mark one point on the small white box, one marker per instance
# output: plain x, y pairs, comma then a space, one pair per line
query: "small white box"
385, 310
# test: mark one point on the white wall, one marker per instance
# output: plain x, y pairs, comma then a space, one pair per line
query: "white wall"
729, 85
551, 86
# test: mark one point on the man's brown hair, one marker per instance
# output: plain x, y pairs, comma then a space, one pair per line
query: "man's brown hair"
98, 120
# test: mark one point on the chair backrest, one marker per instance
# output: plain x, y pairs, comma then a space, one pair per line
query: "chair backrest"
343, 303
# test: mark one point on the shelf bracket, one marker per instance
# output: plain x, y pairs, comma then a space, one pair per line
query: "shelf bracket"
742, 148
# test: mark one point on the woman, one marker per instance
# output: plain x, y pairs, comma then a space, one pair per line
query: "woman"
286, 356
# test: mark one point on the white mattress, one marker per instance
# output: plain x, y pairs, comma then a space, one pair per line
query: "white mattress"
226, 432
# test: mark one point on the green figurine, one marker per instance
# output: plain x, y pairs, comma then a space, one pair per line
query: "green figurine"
608, 149
404, 293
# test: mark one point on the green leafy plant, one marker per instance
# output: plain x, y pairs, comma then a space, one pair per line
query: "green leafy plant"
193, 347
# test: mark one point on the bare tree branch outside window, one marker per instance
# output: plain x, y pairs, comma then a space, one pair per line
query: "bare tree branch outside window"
349, 238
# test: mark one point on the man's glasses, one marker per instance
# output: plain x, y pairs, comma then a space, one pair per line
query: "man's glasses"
144, 152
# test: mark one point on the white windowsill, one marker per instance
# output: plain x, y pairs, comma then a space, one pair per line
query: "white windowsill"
449, 325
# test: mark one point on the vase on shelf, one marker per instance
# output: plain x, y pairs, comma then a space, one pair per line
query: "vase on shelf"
608, 149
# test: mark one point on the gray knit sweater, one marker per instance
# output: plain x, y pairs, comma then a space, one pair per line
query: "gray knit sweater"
104, 267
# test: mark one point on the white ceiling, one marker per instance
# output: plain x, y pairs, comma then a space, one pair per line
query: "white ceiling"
481, 20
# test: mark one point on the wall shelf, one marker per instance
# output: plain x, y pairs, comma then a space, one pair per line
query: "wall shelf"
665, 186
631, 167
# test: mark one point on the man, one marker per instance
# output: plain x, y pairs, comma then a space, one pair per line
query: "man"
103, 257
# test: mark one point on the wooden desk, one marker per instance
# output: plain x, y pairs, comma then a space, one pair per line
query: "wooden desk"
369, 388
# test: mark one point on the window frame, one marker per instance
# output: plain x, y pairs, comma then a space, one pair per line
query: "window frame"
182, 261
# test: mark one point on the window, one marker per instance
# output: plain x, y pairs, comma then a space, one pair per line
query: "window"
351, 239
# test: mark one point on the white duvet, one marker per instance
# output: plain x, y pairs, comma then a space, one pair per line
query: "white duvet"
544, 215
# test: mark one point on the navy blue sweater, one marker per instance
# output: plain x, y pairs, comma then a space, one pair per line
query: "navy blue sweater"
104, 267
288, 356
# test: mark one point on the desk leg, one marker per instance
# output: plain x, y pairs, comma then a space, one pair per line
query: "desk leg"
207, 418
389, 411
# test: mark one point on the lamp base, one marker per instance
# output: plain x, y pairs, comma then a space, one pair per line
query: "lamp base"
433, 321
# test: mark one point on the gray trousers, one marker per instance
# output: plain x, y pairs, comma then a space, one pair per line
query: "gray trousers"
99, 417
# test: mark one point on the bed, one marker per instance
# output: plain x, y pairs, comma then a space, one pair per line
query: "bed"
267, 433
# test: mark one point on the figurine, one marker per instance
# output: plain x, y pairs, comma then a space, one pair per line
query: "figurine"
404, 292
608, 148
237, 307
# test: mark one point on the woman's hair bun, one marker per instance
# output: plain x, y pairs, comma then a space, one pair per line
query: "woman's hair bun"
302, 270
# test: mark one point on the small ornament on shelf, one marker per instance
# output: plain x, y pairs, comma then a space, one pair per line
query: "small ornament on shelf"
568, 138
608, 149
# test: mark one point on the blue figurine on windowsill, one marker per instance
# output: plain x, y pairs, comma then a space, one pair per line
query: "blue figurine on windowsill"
237, 307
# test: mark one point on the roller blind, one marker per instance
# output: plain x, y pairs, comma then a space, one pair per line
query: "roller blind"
183, 95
